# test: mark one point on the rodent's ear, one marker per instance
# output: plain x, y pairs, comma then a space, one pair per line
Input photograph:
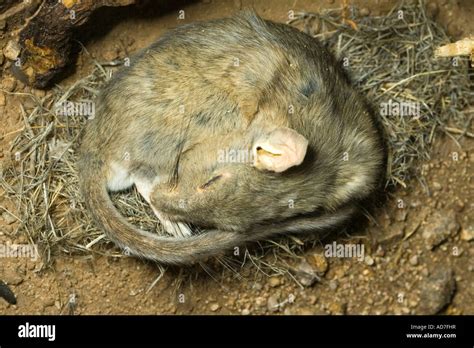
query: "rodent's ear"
279, 150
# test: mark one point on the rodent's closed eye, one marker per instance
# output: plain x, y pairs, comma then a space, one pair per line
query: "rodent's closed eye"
210, 182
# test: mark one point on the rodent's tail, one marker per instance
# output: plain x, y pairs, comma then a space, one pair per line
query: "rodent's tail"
172, 250
162, 249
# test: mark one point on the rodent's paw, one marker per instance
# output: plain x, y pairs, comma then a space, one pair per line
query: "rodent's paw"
177, 229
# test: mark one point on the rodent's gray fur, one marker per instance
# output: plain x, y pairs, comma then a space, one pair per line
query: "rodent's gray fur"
238, 83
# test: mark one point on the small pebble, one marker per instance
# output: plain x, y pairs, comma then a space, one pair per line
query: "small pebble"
11, 50
274, 282
369, 260
337, 308
272, 303
364, 12
260, 301
413, 260
318, 262
459, 205
9, 84
333, 284
214, 307
467, 233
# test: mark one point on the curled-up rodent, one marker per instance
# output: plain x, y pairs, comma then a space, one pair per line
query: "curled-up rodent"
6, 293
233, 130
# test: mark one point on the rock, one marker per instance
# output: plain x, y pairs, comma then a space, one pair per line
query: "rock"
12, 277
245, 311
438, 228
425, 272
413, 260
318, 262
337, 308
3, 99
305, 274
467, 233
380, 252
369, 260
312, 299
29, 103
111, 54
9, 84
436, 186
333, 284
364, 12
8, 218
2, 57
214, 307
459, 205
437, 291
273, 303
274, 282
48, 302
260, 301
12, 50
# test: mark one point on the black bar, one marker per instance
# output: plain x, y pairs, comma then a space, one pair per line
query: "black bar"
195, 330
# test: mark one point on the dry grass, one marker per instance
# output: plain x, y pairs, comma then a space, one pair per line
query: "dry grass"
389, 58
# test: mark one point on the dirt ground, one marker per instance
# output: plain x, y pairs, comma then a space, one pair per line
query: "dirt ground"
419, 248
